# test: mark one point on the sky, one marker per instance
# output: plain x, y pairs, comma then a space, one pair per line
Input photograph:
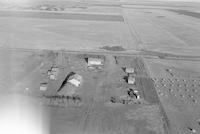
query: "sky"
181, 0
173, 0
30, 1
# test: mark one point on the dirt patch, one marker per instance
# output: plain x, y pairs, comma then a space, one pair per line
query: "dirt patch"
113, 48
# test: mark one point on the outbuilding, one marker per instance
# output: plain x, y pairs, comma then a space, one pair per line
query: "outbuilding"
131, 80
43, 86
52, 77
55, 69
53, 73
129, 70
94, 61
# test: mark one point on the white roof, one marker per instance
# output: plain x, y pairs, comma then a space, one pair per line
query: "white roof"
43, 87
129, 70
75, 82
131, 80
52, 77
95, 61
55, 69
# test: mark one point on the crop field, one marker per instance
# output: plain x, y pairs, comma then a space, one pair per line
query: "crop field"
159, 27
62, 34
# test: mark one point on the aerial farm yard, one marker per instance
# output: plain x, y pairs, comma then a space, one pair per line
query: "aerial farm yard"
106, 91
100, 67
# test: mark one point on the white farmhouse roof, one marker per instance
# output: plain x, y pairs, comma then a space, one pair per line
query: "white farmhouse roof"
95, 61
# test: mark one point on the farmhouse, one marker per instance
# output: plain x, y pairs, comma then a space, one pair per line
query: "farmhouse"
94, 62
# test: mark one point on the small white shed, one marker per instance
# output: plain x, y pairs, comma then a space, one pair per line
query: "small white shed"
52, 77
43, 86
131, 80
129, 70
